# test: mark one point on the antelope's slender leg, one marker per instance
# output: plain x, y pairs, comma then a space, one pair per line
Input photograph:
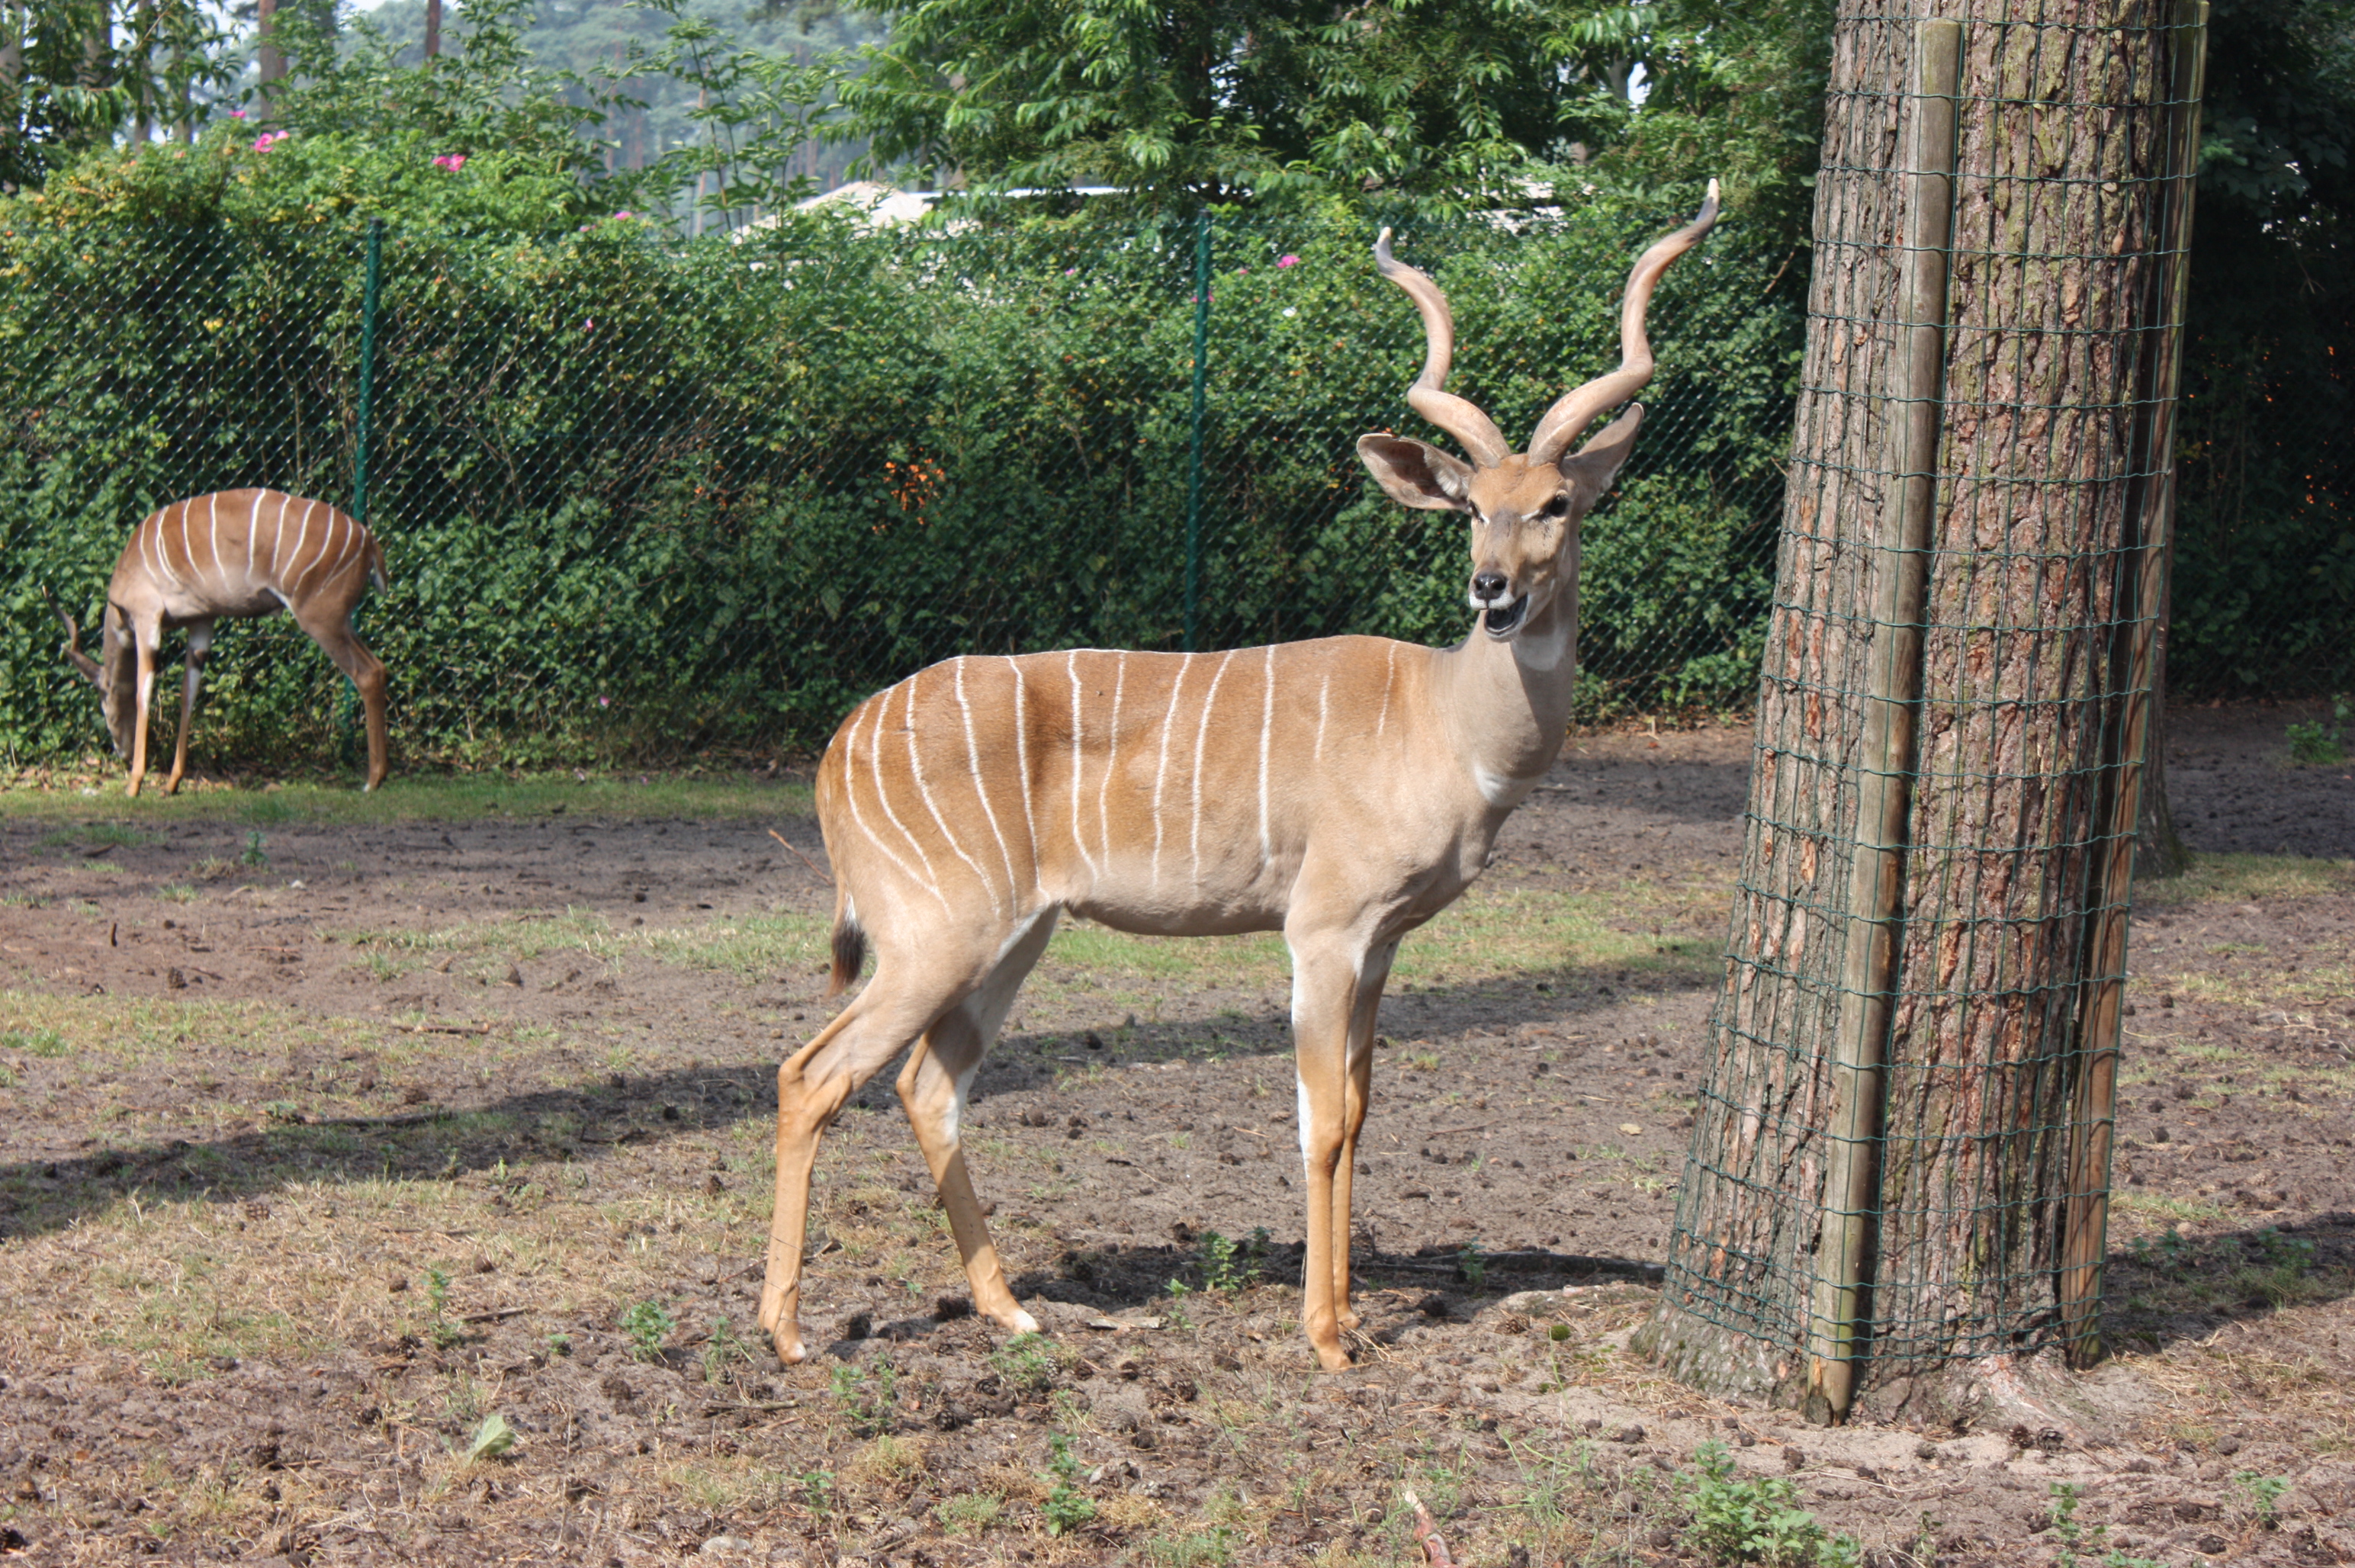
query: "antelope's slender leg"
1325, 969
895, 1008
1357, 1093
932, 1091
146, 690
337, 639
201, 643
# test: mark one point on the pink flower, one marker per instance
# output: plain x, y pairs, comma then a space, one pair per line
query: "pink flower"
454, 162
270, 139
236, 114
621, 215
1287, 260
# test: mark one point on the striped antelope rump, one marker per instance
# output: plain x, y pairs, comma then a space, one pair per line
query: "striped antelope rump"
231, 554
1341, 791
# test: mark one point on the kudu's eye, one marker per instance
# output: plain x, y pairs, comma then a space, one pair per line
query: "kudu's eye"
1555, 508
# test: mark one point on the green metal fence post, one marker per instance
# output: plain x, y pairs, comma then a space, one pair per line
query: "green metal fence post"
370, 292
1194, 471
368, 298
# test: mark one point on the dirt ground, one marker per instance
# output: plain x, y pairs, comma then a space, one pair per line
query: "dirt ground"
322, 1146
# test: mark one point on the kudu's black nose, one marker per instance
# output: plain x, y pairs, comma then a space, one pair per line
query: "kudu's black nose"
1488, 586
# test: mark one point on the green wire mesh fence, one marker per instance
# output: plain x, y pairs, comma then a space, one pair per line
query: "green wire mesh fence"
1901, 1156
643, 500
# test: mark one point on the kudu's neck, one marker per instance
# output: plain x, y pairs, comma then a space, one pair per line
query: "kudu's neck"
1505, 705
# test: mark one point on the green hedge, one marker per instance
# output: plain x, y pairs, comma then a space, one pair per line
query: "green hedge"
641, 499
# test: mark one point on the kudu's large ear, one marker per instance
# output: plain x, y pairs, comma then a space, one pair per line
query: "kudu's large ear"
82, 661
1592, 467
1417, 474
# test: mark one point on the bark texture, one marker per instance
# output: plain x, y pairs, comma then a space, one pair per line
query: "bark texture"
2055, 336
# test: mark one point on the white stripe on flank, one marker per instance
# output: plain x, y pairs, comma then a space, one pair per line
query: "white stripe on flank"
1266, 724
1202, 736
916, 771
1079, 755
1022, 762
212, 528
1390, 674
1112, 757
850, 794
980, 786
253, 538
883, 796
277, 538
292, 579
1324, 690
1161, 768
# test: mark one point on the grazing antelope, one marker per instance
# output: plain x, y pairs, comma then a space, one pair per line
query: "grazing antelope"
232, 554
1342, 791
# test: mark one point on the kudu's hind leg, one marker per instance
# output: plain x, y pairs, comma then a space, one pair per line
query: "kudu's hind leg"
932, 1089
811, 1086
337, 639
201, 643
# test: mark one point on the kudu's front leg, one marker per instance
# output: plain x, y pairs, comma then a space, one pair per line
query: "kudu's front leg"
1324, 984
145, 666
1357, 1091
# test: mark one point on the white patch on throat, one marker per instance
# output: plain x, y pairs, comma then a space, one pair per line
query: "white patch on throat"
1545, 653
1501, 790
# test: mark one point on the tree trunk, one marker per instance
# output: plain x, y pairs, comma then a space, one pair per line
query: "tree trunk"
270, 65
1901, 1147
433, 29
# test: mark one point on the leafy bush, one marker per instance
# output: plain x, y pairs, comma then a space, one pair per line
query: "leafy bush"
641, 499
1757, 1519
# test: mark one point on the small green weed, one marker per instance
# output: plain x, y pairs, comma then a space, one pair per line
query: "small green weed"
1025, 1361
2264, 1494
491, 1439
559, 1345
1212, 1548
969, 1514
648, 1324
1736, 1519
869, 1396
1067, 1507
438, 1327
2072, 1535
1229, 1266
816, 1490
720, 1346
2319, 744
1473, 1264
255, 855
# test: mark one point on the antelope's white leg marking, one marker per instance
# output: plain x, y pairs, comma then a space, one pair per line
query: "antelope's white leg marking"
953, 1117
980, 786
1266, 724
1390, 676
1161, 769
850, 794
924, 791
1022, 762
1079, 753
1301, 1085
1111, 759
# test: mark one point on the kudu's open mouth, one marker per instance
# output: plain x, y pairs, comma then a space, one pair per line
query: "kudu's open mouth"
1504, 619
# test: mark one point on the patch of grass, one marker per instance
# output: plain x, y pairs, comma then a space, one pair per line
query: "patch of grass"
2242, 879
177, 893
969, 1514
442, 797
45, 1043
96, 836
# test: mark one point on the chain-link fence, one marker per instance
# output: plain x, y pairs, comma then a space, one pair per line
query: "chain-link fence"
642, 500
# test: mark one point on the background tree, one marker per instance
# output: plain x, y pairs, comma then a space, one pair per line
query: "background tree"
1431, 102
